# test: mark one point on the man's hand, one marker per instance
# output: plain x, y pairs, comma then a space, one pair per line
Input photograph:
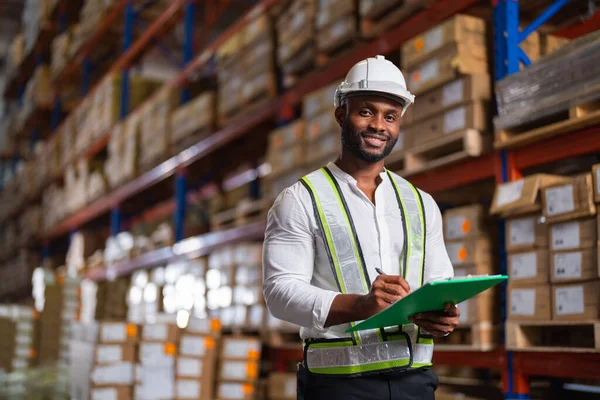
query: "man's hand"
353, 307
386, 290
438, 323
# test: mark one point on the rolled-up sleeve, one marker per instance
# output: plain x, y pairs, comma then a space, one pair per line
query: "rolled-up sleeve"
288, 263
437, 262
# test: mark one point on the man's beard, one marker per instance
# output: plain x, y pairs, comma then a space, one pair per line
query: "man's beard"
352, 142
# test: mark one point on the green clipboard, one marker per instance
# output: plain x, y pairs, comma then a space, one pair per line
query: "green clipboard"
430, 297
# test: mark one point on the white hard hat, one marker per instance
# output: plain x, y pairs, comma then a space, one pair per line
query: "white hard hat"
375, 76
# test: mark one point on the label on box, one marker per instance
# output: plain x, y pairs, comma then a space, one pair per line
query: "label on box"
297, 21
290, 388
155, 332
19, 363
433, 39
188, 389
24, 326
567, 265
509, 192
456, 252
453, 92
522, 231
192, 346
22, 352
23, 339
116, 332
153, 353
238, 370
104, 394
522, 301
559, 200
241, 349
116, 374
428, 72
569, 300
457, 227
464, 311
523, 265
338, 30
108, 354
598, 180
199, 326
231, 391
189, 367
565, 236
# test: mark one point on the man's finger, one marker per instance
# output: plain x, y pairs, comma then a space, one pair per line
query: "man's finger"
451, 310
396, 290
398, 280
432, 328
437, 319
385, 296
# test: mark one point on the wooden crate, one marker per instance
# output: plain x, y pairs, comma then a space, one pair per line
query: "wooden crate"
445, 151
553, 336
559, 123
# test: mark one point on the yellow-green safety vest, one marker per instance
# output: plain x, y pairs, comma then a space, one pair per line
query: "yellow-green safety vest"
378, 350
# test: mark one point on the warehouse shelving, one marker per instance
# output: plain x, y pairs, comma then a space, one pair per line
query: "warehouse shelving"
500, 165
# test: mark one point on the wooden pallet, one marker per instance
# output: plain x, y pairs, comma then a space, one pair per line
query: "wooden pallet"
386, 14
560, 123
446, 150
551, 336
245, 212
477, 337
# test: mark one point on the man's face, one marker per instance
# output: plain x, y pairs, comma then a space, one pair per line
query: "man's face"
370, 127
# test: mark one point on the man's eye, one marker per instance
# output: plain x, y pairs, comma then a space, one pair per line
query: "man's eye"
390, 118
365, 112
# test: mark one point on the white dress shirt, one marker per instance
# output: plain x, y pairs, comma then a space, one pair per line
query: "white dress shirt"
298, 283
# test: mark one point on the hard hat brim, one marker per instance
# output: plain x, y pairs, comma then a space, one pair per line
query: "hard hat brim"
389, 90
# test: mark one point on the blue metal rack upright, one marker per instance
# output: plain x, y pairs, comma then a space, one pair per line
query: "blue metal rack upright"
508, 59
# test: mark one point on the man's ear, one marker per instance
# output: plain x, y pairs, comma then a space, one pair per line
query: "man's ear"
340, 114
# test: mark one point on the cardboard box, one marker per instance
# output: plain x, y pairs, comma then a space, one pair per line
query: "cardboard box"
241, 371
529, 267
112, 393
235, 391
445, 65
160, 333
470, 116
573, 266
579, 234
115, 353
282, 160
328, 38
198, 114
241, 348
462, 29
319, 101
323, 124
470, 252
526, 233
325, 149
333, 10
113, 375
569, 200
466, 89
480, 308
196, 346
281, 386
151, 353
522, 196
287, 136
529, 303
463, 222
576, 301
596, 176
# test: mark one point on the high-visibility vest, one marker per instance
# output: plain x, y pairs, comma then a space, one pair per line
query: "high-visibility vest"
377, 350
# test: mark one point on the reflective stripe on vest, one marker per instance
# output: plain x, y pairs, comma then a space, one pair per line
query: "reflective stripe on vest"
372, 350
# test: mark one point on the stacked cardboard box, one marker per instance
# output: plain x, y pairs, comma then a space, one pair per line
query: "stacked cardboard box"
575, 275
239, 368
155, 133
18, 336
193, 121
123, 151
111, 300
61, 310
286, 149
469, 243
246, 68
336, 24
82, 358
158, 354
197, 360
296, 50
60, 53
447, 69
114, 371
220, 276
527, 245
247, 292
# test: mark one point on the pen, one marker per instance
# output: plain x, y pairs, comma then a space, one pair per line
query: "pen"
379, 271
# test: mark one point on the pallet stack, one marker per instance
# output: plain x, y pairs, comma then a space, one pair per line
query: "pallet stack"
246, 69
296, 50
336, 27
469, 242
447, 71
197, 360
239, 368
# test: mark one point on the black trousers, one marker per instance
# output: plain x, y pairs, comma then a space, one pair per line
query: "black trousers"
409, 385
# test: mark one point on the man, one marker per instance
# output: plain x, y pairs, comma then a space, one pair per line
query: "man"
350, 239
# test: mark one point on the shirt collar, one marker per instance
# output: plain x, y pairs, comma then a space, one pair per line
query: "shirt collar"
338, 173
